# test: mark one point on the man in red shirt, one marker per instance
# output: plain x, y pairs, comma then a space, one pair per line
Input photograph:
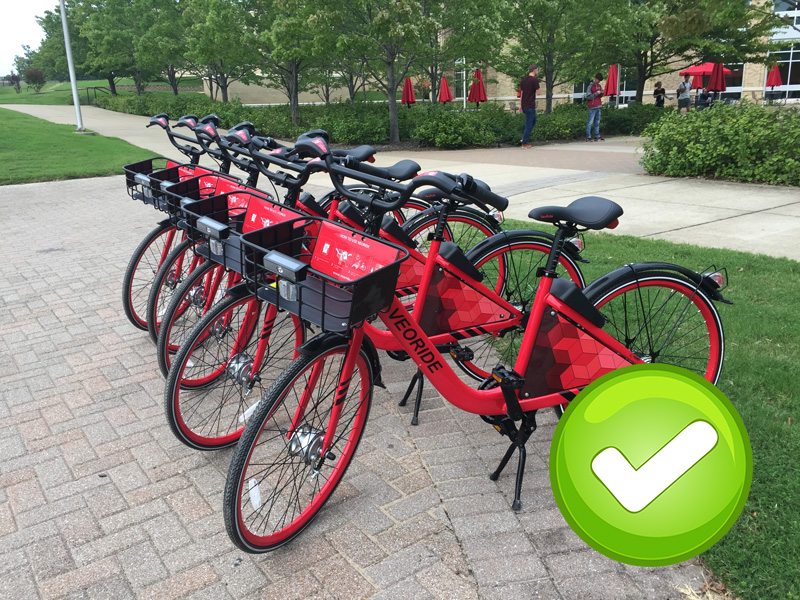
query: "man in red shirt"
527, 102
594, 100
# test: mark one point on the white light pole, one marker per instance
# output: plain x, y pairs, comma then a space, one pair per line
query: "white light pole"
71, 65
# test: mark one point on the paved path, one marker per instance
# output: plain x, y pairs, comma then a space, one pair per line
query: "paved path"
99, 500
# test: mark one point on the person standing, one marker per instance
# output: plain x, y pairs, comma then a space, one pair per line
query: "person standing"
528, 88
594, 101
684, 89
659, 94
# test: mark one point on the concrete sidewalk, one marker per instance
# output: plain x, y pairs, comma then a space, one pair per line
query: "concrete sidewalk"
739, 216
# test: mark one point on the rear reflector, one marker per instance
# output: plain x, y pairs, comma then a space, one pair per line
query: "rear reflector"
717, 278
577, 242
613, 224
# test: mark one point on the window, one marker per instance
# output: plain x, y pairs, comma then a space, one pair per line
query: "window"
788, 59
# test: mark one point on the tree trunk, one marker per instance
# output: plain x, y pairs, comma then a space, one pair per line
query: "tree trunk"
112, 84
391, 87
550, 79
137, 79
222, 85
351, 88
293, 81
173, 79
641, 75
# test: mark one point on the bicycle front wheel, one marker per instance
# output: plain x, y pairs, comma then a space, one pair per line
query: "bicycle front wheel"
273, 490
202, 289
144, 263
227, 362
180, 262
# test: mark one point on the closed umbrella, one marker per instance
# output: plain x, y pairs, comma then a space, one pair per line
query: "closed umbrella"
477, 91
704, 69
408, 93
774, 77
716, 82
612, 83
444, 91
697, 82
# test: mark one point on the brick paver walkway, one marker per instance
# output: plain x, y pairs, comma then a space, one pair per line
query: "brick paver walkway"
98, 499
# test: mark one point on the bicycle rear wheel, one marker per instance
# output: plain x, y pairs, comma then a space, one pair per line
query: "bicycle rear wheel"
212, 387
203, 288
663, 318
180, 262
273, 491
142, 268
509, 263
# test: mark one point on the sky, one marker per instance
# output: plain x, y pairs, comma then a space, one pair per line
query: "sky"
20, 27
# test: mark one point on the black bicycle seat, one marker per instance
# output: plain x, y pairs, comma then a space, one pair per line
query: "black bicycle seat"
591, 212
405, 169
361, 153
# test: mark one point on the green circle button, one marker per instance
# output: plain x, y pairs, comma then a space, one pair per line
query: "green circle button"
651, 465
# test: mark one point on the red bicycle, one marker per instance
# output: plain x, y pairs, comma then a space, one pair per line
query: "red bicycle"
548, 341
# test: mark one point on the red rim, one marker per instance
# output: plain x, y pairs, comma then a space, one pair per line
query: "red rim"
307, 514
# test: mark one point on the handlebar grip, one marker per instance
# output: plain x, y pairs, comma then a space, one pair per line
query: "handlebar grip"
481, 194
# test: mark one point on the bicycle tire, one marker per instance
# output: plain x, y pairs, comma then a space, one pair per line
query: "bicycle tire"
168, 279
141, 271
464, 226
205, 400
187, 305
509, 263
275, 415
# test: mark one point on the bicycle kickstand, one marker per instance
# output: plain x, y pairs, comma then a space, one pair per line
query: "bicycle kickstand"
519, 436
419, 381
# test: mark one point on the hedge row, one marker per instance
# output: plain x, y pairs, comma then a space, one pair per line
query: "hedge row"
438, 125
739, 141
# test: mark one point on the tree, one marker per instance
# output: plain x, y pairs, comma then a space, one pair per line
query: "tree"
51, 57
221, 42
564, 37
287, 47
161, 47
34, 78
13, 78
112, 28
387, 35
660, 36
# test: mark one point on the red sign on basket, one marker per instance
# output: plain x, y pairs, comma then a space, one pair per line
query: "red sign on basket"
348, 256
263, 213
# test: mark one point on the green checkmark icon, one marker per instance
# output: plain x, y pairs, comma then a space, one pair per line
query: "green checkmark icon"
651, 465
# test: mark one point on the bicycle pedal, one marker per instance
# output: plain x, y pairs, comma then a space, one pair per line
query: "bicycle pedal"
461, 353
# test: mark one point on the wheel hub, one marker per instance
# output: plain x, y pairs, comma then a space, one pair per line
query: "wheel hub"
307, 443
239, 368
196, 296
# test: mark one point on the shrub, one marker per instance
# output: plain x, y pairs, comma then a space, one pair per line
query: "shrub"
730, 141
34, 78
437, 125
15, 81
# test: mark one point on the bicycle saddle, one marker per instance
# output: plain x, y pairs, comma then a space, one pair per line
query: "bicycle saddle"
591, 212
361, 154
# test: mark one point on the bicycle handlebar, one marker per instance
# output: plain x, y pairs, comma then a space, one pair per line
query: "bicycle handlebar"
190, 150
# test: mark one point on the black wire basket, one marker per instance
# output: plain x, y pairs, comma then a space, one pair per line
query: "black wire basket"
327, 274
217, 223
144, 179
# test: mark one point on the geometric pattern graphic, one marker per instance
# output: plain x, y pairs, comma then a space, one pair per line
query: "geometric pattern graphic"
452, 304
565, 357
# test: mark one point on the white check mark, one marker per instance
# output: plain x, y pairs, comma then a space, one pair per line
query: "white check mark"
633, 488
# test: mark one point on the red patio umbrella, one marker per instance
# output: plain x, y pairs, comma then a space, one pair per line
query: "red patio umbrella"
477, 91
444, 91
704, 69
408, 93
716, 82
697, 82
612, 82
774, 77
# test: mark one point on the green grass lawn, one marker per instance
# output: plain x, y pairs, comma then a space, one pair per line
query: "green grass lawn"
759, 558
61, 93
44, 151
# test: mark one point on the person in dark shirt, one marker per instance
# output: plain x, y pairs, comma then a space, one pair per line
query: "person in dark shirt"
528, 88
659, 94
